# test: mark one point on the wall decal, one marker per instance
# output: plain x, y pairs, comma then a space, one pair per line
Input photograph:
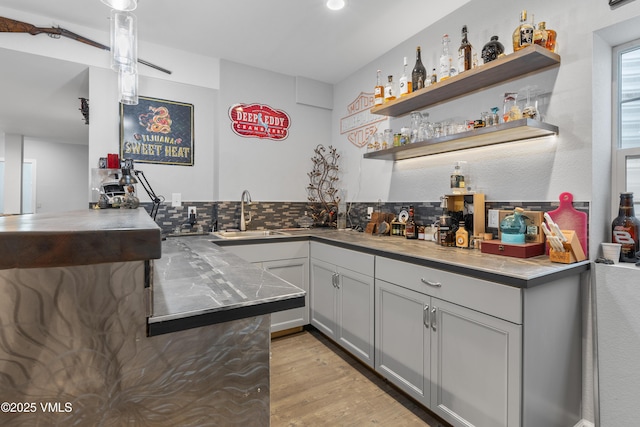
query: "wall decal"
359, 124
157, 131
259, 121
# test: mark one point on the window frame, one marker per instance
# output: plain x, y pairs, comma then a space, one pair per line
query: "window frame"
619, 156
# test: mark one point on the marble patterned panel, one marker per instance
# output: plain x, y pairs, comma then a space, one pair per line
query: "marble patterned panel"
74, 351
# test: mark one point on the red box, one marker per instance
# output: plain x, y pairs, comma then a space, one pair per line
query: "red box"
113, 161
523, 250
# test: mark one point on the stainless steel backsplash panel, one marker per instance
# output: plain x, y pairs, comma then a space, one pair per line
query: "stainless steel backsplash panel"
74, 351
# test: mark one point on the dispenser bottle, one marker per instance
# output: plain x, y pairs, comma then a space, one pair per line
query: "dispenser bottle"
457, 180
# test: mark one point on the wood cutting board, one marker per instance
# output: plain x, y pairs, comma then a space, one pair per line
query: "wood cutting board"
568, 218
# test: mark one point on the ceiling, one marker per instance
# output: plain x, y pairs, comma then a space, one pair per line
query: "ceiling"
293, 37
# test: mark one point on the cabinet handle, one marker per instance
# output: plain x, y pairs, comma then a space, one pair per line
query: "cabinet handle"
434, 316
338, 280
434, 284
334, 280
425, 316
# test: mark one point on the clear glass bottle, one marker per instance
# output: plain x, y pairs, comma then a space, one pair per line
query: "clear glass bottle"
416, 122
434, 77
389, 92
419, 73
378, 92
405, 84
523, 34
447, 68
465, 60
625, 229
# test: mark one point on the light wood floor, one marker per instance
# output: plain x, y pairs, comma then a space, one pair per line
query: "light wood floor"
315, 383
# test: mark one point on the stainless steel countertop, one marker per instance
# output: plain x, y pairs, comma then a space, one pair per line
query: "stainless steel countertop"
196, 283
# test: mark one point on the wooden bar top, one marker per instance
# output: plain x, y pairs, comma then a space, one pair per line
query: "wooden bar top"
78, 238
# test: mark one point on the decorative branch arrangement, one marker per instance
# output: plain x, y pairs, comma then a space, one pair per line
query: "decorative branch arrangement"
322, 191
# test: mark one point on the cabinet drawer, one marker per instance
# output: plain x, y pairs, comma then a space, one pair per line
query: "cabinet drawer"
346, 258
487, 297
270, 251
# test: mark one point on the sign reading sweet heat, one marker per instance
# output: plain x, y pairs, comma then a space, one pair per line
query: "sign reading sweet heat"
157, 131
360, 124
259, 121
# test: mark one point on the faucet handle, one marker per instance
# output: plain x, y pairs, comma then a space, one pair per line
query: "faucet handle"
248, 220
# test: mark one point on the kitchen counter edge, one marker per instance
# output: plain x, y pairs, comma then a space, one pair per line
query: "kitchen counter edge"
510, 271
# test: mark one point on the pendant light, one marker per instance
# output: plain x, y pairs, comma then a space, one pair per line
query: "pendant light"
123, 5
128, 86
124, 40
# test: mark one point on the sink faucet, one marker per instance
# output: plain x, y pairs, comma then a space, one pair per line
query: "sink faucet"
243, 221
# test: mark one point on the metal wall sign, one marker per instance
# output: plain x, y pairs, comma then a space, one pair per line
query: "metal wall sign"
359, 124
157, 131
259, 121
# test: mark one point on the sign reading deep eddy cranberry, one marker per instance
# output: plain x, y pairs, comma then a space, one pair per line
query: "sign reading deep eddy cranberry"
259, 121
360, 124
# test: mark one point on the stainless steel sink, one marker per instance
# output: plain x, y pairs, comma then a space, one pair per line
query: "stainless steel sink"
247, 234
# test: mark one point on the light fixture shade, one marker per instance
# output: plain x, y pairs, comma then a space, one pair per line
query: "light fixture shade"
124, 5
335, 4
124, 41
127, 178
128, 86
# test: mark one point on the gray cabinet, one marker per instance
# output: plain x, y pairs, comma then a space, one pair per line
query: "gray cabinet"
289, 261
461, 363
479, 353
341, 294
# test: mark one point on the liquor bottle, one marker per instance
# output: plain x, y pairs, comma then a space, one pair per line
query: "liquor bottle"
419, 73
625, 229
523, 34
462, 237
551, 39
434, 77
378, 93
405, 84
540, 35
465, 61
410, 228
447, 68
389, 92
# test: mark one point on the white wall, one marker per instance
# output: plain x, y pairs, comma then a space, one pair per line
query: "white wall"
535, 170
61, 176
271, 170
195, 183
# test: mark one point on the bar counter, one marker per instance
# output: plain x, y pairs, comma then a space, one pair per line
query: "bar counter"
77, 309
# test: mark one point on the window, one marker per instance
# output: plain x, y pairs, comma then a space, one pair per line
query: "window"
626, 126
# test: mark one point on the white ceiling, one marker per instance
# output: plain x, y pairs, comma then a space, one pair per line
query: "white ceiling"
293, 37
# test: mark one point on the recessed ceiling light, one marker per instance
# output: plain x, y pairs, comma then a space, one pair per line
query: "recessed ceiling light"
335, 4
124, 5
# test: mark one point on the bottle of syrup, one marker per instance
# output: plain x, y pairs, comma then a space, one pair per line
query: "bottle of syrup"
625, 229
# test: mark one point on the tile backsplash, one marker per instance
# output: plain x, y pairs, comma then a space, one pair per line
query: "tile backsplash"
222, 215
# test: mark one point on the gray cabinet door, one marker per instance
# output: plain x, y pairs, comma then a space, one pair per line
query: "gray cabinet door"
355, 314
296, 272
403, 339
475, 367
323, 297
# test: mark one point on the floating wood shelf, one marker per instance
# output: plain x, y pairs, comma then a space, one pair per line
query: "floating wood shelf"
530, 59
505, 132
